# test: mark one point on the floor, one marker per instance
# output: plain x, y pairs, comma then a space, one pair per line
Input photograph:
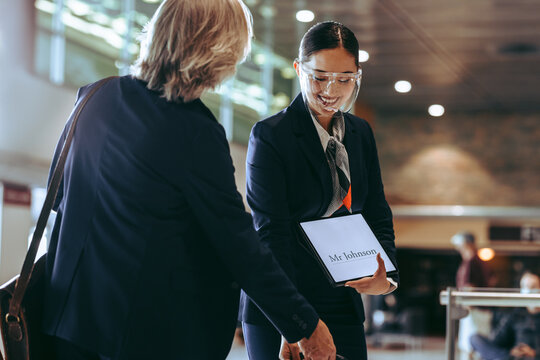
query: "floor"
388, 349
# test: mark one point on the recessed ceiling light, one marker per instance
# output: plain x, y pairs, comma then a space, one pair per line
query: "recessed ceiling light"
363, 56
436, 110
305, 16
402, 86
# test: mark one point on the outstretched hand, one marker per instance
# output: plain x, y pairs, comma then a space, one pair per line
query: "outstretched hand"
374, 285
320, 345
289, 351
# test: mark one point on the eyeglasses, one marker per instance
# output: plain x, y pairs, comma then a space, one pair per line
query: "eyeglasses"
327, 78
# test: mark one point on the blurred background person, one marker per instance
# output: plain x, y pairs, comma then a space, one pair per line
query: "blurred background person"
516, 335
473, 272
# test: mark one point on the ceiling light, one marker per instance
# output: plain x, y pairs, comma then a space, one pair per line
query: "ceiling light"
363, 56
402, 86
152, 1
486, 254
305, 16
436, 110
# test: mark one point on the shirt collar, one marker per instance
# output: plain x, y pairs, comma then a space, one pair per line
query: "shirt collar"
324, 136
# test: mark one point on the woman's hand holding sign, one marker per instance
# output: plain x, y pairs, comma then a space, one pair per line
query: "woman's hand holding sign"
374, 285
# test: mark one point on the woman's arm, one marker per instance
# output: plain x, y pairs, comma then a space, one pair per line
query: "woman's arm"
210, 190
267, 196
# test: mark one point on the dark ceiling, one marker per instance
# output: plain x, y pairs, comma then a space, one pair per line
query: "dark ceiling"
467, 55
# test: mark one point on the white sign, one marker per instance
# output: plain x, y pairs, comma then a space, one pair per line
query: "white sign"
346, 246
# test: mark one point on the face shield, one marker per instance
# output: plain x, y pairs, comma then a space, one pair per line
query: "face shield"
329, 92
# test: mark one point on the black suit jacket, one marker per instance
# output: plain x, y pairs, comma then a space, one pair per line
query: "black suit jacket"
289, 180
151, 240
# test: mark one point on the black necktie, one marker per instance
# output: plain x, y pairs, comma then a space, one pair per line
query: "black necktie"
344, 184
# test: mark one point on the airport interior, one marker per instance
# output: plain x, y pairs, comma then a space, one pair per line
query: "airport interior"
450, 89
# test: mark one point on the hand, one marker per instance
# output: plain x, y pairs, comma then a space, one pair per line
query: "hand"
374, 285
320, 345
523, 350
289, 351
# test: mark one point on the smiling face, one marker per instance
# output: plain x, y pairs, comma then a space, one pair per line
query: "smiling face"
325, 95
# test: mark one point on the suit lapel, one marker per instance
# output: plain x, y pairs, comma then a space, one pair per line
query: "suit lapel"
309, 142
353, 145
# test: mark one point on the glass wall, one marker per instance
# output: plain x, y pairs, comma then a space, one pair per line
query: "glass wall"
81, 41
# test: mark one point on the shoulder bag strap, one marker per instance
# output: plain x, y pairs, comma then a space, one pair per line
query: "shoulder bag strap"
26, 272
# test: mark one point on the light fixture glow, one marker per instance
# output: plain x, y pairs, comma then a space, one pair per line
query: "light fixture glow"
363, 56
458, 210
402, 86
436, 110
119, 25
78, 8
305, 16
259, 59
288, 73
486, 254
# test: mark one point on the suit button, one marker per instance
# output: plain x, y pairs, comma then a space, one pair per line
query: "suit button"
234, 285
295, 317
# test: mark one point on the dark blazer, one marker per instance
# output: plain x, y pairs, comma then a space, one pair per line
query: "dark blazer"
151, 240
289, 180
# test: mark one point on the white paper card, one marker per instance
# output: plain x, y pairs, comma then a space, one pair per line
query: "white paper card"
347, 246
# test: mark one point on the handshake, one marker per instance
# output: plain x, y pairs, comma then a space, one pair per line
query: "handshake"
319, 346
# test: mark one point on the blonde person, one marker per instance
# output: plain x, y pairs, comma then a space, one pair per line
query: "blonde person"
151, 241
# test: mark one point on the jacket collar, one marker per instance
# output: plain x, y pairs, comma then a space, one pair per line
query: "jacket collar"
308, 139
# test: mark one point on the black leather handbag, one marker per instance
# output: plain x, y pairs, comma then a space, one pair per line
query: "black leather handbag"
21, 298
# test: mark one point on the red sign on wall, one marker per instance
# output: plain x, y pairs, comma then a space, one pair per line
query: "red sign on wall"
17, 195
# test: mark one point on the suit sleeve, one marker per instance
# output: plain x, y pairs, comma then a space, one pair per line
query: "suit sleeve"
267, 197
212, 194
376, 211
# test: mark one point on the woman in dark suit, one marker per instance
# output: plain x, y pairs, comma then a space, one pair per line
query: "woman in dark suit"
151, 241
315, 160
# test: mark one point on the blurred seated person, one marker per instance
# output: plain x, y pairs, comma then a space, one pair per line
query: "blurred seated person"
517, 335
472, 272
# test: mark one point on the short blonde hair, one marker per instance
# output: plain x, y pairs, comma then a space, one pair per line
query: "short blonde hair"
190, 46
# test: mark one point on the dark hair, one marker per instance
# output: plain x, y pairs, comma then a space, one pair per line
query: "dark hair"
328, 35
